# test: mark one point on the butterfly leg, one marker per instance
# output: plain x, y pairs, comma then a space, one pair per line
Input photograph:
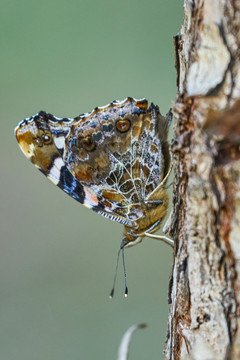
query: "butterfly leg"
160, 237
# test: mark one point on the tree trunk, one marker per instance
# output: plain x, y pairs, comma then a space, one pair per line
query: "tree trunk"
204, 318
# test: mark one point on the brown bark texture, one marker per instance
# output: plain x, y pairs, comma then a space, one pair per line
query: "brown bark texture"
204, 317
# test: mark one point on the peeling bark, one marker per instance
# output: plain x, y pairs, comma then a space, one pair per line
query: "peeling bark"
204, 318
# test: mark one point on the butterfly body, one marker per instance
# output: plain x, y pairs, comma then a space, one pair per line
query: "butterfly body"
114, 160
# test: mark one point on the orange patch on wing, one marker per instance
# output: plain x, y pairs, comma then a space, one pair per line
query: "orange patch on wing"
143, 104
107, 204
26, 138
83, 173
112, 196
91, 197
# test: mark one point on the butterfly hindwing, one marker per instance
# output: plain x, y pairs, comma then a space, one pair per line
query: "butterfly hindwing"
117, 152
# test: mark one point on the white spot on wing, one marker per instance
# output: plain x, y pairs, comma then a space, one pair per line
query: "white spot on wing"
55, 171
59, 142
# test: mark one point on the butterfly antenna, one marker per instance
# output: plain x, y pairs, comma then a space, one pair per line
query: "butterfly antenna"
115, 275
124, 272
123, 243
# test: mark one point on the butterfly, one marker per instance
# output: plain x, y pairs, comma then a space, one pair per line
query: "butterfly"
114, 160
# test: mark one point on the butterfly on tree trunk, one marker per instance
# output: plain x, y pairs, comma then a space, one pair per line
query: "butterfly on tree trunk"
114, 160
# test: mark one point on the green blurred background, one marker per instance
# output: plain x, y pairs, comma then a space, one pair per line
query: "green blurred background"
57, 258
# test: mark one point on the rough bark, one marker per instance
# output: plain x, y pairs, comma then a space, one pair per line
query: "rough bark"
204, 318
